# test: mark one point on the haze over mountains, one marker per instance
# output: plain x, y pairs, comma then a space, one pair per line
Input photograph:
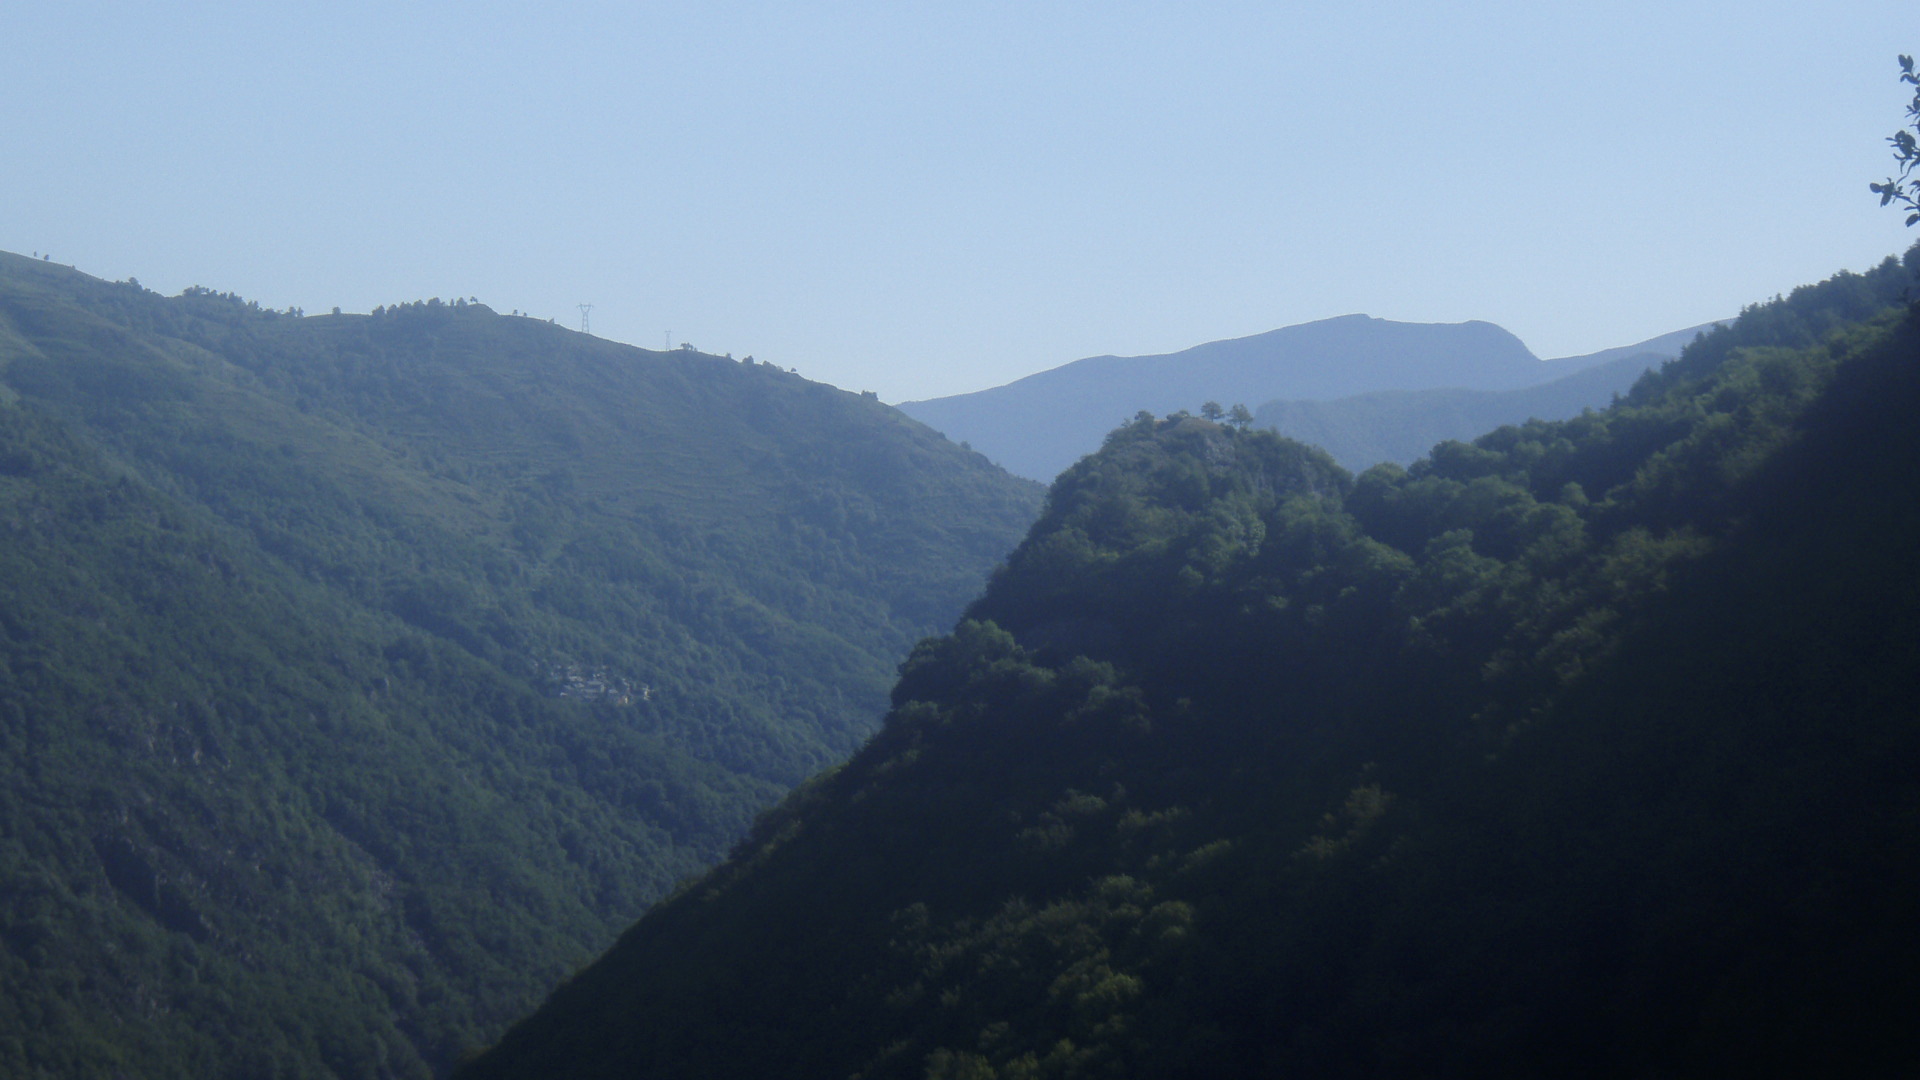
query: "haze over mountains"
1401, 426
1038, 425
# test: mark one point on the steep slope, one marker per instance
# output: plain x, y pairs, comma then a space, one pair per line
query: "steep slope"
361, 675
1576, 750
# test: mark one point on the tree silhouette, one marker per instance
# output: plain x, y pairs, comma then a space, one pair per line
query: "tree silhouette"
1906, 152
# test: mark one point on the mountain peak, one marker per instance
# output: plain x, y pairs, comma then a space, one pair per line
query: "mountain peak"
1039, 425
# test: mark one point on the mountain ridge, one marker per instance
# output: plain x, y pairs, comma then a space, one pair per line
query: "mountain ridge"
1574, 749
362, 674
1401, 426
1039, 424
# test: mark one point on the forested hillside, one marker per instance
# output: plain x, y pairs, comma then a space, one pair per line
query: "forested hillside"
1581, 749
361, 676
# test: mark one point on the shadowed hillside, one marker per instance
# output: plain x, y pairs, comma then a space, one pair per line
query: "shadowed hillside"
1579, 749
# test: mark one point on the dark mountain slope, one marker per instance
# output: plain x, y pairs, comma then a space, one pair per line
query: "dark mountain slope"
1579, 749
360, 676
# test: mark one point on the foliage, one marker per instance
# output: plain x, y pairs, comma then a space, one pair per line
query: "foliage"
360, 676
1906, 152
1575, 748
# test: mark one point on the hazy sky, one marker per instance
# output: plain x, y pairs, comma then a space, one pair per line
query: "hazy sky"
922, 199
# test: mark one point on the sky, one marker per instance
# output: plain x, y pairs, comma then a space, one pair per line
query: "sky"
925, 199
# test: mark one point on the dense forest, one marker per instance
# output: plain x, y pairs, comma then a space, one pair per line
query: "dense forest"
1583, 748
363, 676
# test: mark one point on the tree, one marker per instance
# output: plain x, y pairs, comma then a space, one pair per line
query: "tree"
1906, 153
1240, 417
1212, 411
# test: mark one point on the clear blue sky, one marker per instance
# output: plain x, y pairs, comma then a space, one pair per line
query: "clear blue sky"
922, 199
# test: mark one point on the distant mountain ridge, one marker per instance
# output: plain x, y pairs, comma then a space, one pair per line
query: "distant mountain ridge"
1038, 425
1402, 426
1669, 345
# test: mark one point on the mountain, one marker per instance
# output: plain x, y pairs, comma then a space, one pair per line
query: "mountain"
361, 676
1401, 425
1580, 749
1039, 425
1666, 346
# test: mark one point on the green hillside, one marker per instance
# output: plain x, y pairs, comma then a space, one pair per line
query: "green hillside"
1580, 749
361, 676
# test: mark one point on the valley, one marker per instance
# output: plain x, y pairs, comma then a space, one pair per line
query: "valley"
366, 680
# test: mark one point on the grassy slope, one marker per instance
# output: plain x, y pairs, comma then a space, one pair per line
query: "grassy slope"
362, 675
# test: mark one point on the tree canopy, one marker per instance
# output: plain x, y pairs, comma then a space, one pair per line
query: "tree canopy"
1578, 748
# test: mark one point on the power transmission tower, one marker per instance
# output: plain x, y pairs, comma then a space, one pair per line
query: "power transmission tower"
584, 308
